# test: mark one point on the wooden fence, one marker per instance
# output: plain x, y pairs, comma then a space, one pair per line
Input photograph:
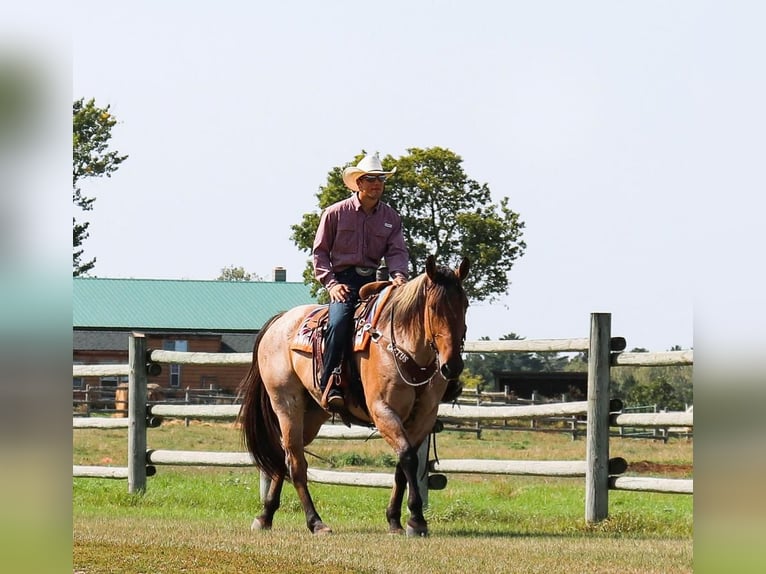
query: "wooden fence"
112, 400
601, 473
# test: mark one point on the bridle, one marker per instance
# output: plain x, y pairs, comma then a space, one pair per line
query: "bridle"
403, 360
409, 371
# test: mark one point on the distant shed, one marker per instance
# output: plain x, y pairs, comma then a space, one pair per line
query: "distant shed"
523, 384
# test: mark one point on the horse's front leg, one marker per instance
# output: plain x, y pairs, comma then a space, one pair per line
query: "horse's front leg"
394, 509
416, 525
270, 504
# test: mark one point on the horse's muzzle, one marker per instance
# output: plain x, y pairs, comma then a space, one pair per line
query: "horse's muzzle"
452, 369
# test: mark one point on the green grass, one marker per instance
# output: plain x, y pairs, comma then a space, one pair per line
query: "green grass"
198, 519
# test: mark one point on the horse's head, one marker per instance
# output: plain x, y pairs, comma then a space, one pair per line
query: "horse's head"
445, 310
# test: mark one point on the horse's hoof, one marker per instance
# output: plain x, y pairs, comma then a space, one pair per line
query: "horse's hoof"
396, 531
419, 531
321, 528
259, 524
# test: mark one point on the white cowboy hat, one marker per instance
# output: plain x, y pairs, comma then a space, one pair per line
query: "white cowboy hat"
369, 164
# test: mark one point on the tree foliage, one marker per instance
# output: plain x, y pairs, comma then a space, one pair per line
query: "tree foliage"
444, 213
232, 273
91, 157
669, 388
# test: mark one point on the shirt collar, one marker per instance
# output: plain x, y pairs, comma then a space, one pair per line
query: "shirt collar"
358, 204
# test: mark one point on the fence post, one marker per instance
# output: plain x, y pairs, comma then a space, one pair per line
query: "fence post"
186, 402
137, 413
597, 437
533, 422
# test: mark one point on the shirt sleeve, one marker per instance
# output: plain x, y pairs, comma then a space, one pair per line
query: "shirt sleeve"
321, 250
397, 256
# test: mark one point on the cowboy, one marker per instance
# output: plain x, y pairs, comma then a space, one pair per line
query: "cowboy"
353, 235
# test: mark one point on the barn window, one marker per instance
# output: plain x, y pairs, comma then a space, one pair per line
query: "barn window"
108, 382
175, 376
175, 369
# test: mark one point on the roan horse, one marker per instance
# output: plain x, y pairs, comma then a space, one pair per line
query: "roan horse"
421, 322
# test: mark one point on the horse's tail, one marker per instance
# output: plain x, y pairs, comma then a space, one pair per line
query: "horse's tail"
260, 427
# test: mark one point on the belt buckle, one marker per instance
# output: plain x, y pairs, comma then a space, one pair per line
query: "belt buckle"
364, 271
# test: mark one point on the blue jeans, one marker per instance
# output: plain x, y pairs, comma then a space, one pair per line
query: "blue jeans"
338, 334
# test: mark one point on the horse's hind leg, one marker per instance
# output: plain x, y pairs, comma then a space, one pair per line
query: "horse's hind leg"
293, 439
394, 509
270, 504
313, 520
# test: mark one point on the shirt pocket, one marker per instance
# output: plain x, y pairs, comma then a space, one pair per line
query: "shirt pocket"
348, 237
378, 240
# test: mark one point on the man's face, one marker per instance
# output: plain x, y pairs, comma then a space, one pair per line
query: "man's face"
371, 186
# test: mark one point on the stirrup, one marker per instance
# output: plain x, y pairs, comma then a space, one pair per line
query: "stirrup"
334, 401
331, 396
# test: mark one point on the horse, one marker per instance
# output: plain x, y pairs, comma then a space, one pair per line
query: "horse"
415, 350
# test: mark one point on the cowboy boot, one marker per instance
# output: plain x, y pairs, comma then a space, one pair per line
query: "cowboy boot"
332, 398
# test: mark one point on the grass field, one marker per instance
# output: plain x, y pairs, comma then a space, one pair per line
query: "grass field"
198, 519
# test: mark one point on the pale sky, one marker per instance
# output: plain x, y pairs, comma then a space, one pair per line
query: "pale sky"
626, 134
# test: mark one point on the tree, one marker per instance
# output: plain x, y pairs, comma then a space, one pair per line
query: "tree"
662, 386
91, 132
232, 273
668, 387
443, 212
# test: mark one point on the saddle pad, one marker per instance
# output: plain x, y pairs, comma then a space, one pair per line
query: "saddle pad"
366, 318
307, 330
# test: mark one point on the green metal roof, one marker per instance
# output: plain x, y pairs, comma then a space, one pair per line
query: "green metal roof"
100, 303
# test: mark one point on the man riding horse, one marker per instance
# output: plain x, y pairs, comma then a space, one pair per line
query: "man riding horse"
354, 234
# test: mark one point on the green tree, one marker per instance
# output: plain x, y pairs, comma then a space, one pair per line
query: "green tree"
665, 387
91, 157
471, 380
232, 273
668, 387
444, 213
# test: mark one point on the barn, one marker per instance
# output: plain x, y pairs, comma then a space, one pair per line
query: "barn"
175, 315
523, 384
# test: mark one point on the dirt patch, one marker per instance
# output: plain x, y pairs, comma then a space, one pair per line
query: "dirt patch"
655, 468
171, 422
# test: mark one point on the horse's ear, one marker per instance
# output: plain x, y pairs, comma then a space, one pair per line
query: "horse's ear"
462, 271
431, 266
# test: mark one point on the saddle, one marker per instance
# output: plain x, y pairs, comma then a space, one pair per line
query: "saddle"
309, 337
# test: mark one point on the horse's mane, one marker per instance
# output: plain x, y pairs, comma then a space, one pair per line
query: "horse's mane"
409, 299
